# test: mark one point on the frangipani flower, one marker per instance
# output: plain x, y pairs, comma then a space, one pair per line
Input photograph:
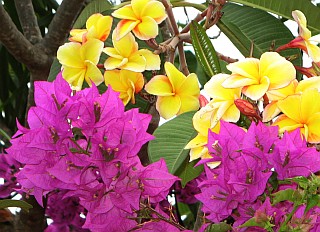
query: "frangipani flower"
304, 41
127, 83
295, 87
301, 111
257, 77
125, 55
97, 27
176, 92
79, 62
141, 17
222, 100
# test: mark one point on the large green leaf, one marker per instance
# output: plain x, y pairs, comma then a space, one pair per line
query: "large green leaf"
245, 25
204, 49
171, 138
96, 6
54, 70
285, 7
187, 171
15, 203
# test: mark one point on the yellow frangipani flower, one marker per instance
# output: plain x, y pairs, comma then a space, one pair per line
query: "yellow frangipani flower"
304, 41
125, 55
141, 17
176, 92
79, 62
295, 87
222, 100
127, 83
97, 27
257, 77
301, 111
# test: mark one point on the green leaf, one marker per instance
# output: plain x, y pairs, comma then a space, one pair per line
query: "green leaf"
96, 6
246, 25
171, 138
284, 195
285, 7
312, 201
15, 203
220, 227
204, 50
302, 181
253, 222
187, 171
54, 70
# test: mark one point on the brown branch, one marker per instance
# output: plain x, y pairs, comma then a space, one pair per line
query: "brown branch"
61, 24
182, 59
172, 21
28, 20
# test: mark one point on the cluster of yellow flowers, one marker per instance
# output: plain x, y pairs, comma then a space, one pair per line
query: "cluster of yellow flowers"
271, 80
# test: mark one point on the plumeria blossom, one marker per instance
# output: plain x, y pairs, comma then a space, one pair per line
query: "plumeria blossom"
141, 17
126, 82
79, 62
176, 92
97, 27
295, 87
125, 55
304, 41
301, 111
256, 77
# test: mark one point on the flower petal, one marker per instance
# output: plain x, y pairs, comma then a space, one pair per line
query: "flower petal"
237, 81
199, 152
202, 119
125, 12
155, 10
168, 106
136, 63
112, 52
112, 78
290, 106
175, 76
135, 77
69, 55
188, 103
91, 50
215, 90
198, 141
232, 114
190, 86
102, 26
282, 93
279, 70
146, 29
286, 124
270, 111
309, 83
159, 85
124, 27
248, 68
138, 6
93, 74
77, 34
125, 46
113, 63
74, 76
313, 51
302, 22
310, 104
255, 92
314, 128
152, 60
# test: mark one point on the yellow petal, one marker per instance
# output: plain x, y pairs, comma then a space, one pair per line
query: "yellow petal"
136, 63
309, 83
93, 74
155, 10
215, 90
91, 50
77, 34
152, 60
282, 93
198, 141
69, 55
202, 119
146, 29
113, 53
302, 22
255, 92
232, 114
290, 106
286, 124
313, 51
188, 103
248, 68
74, 76
198, 152
270, 111
125, 46
113, 63
102, 27
314, 128
189, 87
237, 81
175, 76
138, 6
159, 85
112, 78
310, 104
136, 78
124, 27
279, 70
168, 106
125, 12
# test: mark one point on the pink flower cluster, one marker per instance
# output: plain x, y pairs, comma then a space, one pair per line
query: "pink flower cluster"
86, 144
239, 188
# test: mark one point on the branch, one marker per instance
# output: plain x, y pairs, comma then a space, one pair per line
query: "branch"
61, 24
17, 44
28, 20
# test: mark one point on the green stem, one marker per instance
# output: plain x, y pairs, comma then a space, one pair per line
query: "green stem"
284, 224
